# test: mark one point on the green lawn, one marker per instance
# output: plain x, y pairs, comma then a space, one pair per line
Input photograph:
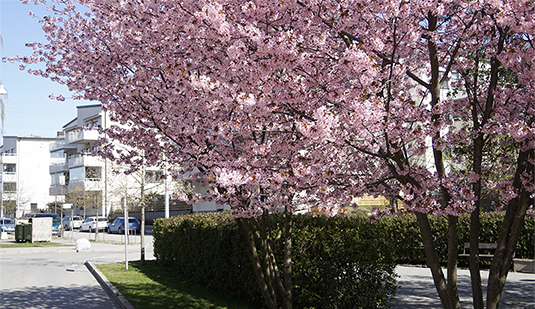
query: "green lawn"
155, 286
30, 245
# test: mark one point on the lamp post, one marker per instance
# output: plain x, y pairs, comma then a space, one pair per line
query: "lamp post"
3, 93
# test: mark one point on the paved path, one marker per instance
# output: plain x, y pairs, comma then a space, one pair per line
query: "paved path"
417, 290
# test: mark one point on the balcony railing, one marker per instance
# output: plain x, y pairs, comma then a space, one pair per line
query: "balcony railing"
58, 190
84, 160
8, 158
8, 177
58, 167
81, 136
61, 144
88, 184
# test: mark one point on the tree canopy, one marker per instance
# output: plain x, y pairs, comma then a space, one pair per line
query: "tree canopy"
317, 102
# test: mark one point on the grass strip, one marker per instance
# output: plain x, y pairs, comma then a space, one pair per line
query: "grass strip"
155, 286
32, 245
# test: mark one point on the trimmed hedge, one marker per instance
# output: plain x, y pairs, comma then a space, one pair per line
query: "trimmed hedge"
405, 234
337, 262
341, 262
207, 249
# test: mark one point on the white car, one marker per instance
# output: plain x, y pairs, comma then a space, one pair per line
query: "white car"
75, 222
90, 224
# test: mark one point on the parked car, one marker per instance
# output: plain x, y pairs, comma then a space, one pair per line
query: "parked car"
56, 220
74, 222
90, 224
118, 225
7, 225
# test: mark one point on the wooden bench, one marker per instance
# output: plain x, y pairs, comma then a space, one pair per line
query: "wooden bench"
487, 248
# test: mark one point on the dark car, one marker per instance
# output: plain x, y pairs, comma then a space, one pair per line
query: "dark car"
56, 220
117, 226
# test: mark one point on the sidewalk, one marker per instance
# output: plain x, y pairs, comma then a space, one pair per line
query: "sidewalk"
417, 290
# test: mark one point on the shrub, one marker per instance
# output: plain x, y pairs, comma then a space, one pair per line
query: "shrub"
337, 262
405, 235
341, 262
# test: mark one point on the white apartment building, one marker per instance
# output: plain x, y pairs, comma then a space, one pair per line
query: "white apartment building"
90, 182
75, 175
25, 178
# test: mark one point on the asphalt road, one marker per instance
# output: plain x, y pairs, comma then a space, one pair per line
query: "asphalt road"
56, 277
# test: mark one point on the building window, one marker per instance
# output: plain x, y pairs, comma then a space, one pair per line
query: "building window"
76, 174
10, 187
153, 176
91, 173
94, 124
57, 155
10, 168
34, 206
57, 179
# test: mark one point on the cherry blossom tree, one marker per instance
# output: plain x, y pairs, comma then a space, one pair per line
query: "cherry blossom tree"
316, 102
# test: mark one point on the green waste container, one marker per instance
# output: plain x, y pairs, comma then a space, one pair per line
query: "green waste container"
23, 232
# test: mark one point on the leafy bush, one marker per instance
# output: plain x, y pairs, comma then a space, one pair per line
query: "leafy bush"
405, 235
337, 262
341, 262
207, 249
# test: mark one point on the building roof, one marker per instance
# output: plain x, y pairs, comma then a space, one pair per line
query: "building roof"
86, 106
70, 123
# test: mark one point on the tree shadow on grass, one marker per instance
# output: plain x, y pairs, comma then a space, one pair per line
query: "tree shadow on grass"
164, 288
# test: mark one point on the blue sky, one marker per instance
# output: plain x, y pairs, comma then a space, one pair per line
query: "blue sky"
28, 110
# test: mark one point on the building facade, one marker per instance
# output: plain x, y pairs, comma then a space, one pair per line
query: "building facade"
93, 184
25, 178
75, 175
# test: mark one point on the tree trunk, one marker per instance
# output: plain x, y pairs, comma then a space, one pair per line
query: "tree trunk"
288, 259
276, 291
453, 242
510, 231
432, 260
475, 274
247, 233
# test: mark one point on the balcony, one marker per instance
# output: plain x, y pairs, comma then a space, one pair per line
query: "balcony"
81, 136
88, 184
58, 190
58, 167
8, 177
8, 158
61, 144
84, 160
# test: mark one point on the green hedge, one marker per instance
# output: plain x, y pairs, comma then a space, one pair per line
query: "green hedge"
337, 262
405, 234
208, 250
341, 262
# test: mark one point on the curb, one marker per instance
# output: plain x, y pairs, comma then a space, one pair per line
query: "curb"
46, 250
110, 289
